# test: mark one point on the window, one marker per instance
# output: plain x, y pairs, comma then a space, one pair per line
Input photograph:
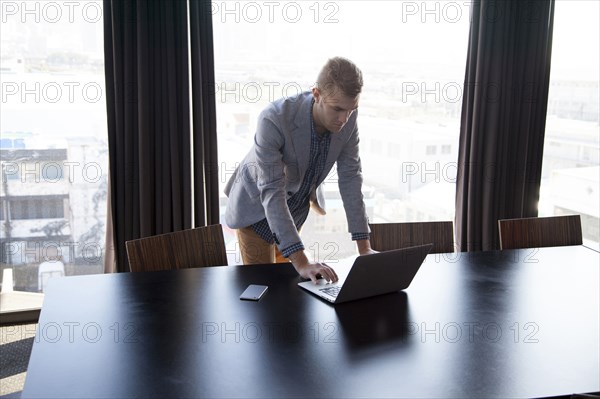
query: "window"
412, 55
393, 149
571, 171
376, 146
52, 171
54, 143
37, 208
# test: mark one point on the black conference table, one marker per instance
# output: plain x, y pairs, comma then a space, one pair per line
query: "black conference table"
516, 323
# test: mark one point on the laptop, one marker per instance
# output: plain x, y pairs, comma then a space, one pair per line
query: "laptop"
371, 275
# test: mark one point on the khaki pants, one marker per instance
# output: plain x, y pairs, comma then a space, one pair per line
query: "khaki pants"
255, 250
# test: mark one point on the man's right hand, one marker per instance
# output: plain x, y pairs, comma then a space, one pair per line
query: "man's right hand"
313, 271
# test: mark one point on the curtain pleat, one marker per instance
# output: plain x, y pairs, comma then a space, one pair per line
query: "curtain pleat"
204, 131
503, 117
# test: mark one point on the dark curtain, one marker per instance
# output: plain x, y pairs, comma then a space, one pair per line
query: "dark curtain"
204, 131
147, 87
503, 117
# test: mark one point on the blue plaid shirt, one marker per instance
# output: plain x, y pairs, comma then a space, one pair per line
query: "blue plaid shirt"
298, 203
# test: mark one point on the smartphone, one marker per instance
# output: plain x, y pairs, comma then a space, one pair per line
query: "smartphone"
253, 292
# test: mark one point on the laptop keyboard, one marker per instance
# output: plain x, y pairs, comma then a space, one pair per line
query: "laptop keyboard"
333, 291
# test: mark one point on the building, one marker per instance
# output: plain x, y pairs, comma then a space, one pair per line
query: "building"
51, 205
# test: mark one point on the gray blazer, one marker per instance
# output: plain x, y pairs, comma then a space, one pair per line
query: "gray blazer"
273, 170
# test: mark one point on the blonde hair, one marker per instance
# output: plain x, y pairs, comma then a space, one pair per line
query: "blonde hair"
340, 74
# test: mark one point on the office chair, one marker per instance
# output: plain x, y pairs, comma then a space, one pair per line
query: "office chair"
199, 247
538, 232
387, 236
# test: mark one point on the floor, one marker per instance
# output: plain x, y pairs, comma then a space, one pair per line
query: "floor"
16, 342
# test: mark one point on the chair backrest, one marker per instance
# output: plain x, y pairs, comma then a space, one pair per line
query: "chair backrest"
387, 236
199, 247
553, 231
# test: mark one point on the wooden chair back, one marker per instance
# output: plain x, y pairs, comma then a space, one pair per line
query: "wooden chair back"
199, 247
553, 231
387, 236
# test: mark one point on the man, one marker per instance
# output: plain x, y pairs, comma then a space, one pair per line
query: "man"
298, 139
